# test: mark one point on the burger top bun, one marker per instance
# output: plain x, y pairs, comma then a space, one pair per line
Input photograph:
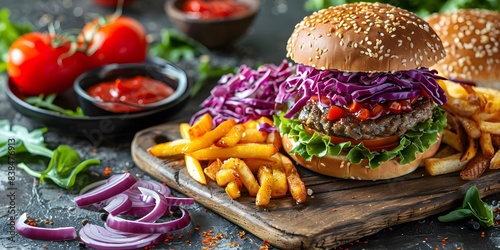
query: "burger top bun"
364, 37
472, 41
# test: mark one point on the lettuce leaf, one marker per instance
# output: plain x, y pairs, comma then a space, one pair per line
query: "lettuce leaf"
416, 140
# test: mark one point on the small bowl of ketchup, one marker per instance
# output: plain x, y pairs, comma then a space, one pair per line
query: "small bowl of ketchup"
130, 88
213, 23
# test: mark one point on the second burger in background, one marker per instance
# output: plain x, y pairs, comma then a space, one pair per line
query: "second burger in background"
363, 103
472, 41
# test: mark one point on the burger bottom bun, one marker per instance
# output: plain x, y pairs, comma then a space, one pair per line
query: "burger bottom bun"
340, 167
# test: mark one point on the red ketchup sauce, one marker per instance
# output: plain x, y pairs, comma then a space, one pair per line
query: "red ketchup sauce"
139, 90
214, 9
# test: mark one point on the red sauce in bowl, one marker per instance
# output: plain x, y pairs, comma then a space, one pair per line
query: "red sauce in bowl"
136, 90
214, 9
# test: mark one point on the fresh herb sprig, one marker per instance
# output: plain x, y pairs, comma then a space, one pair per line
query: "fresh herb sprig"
208, 72
9, 32
472, 205
64, 165
174, 46
47, 102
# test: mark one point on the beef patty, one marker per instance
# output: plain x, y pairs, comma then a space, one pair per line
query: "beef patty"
315, 116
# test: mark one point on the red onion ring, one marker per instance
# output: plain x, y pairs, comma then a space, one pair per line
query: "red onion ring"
159, 209
42, 233
111, 188
119, 203
101, 238
129, 226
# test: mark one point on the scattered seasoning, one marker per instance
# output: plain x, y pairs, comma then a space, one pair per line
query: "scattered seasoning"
84, 222
107, 172
483, 235
265, 246
94, 150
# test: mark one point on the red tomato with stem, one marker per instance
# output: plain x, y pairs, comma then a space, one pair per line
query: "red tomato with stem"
38, 66
115, 39
111, 3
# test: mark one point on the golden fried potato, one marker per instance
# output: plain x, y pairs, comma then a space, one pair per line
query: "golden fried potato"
170, 148
210, 137
265, 176
201, 126
249, 150
438, 166
295, 184
232, 137
475, 167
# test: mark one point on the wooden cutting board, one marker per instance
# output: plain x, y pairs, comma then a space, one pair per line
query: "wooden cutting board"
338, 211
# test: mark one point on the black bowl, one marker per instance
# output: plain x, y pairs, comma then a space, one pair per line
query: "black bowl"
167, 73
95, 127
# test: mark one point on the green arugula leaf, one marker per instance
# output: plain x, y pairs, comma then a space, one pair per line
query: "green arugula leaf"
9, 32
48, 103
64, 165
174, 46
208, 72
417, 140
472, 205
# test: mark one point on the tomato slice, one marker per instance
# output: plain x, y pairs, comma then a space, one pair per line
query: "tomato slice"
335, 113
376, 145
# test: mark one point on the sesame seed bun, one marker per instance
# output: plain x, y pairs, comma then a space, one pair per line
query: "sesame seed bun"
364, 37
472, 41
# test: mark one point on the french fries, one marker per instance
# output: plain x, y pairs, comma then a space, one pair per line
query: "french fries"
238, 157
473, 131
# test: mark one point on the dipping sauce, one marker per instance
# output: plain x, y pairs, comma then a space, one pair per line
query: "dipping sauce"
214, 9
137, 90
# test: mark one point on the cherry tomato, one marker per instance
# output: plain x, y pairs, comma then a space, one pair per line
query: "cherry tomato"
37, 67
395, 107
335, 113
118, 39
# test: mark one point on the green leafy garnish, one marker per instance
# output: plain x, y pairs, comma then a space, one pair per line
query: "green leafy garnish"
47, 102
472, 205
64, 165
416, 140
208, 72
22, 140
9, 32
174, 46
420, 7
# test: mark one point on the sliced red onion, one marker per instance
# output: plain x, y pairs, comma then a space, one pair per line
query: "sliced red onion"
118, 204
42, 233
111, 188
101, 238
159, 209
176, 201
92, 186
139, 207
130, 226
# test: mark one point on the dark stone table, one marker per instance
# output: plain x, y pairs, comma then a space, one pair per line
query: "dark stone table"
265, 43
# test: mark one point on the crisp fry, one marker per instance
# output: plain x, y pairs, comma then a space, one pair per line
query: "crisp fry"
201, 126
184, 130
224, 176
212, 169
475, 167
170, 148
210, 137
233, 189
495, 139
194, 169
450, 164
495, 161
250, 150
280, 187
470, 127
490, 127
232, 137
265, 176
445, 152
295, 184
246, 176
255, 163
452, 140
461, 107
471, 151
275, 139
486, 145
252, 135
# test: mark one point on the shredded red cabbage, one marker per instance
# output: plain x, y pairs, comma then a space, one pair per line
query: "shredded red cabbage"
343, 88
247, 95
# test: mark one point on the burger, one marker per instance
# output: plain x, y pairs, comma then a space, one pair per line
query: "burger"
471, 38
363, 103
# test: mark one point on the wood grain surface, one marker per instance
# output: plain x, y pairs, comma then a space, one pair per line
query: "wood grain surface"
337, 212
